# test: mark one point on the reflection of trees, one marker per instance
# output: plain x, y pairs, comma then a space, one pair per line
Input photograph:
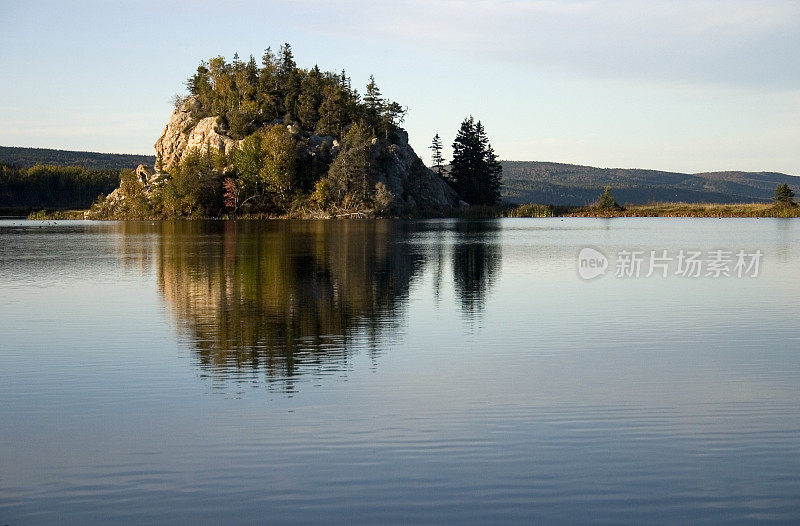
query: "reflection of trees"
283, 297
290, 298
476, 260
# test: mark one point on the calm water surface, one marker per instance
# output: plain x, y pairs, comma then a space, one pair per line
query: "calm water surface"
394, 372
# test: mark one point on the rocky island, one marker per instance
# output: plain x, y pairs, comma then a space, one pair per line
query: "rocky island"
276, 140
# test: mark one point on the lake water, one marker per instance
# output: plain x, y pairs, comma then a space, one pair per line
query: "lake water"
395, 372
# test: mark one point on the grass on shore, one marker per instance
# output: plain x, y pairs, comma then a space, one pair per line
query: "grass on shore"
648, 210
44, 215
689, 210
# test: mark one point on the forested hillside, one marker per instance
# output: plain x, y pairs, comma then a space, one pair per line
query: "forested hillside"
52, 187
568, 184
24, 157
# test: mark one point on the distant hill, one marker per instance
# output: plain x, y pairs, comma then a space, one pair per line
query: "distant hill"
23, 157
569, 184
523, 181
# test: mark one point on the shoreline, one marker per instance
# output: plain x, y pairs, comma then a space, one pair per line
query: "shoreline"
710, 210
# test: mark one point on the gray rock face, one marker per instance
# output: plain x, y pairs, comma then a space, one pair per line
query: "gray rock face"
185, 132
416, 188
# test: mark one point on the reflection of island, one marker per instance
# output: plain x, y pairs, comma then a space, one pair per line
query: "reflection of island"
291, 298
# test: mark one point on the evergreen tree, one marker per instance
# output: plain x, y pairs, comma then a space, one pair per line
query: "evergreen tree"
436, 154
476, 173
310, 99
392, 115
494, 175
349, 180
332, 112
607, 202
247, 161
268, 96
784, 194
374, 103
199, 85
287, 63
292, 89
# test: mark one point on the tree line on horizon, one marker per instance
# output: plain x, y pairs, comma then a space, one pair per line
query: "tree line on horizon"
53, 187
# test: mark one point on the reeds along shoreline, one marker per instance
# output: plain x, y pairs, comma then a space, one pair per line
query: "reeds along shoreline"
689, 210
656, 210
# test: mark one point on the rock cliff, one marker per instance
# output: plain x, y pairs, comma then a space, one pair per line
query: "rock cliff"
185, 132
415, 187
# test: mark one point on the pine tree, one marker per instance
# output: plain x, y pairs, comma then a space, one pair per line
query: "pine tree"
374, 102
494, 175
310, 98
607, 202
373, 98
476, 173
268, 98
287, 63
436, 154
332, 112
784, 194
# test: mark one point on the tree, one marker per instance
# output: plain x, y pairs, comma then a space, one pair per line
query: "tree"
348, 183
494, 175
373, 98
332, 112
287, 63
784, 195
268, 93
231, 195
310, 99
607, 202
278, 168
198, 183
199, 85
374, 103
476, 173
436, 155
392, 115
247, 162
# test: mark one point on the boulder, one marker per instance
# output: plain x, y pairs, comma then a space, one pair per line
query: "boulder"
144, 174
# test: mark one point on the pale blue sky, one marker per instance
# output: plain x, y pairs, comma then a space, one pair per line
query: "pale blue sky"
687, 85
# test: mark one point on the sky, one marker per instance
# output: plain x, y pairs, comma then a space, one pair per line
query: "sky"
680, 85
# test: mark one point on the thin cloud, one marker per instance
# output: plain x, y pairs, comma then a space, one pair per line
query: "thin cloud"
736, 42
